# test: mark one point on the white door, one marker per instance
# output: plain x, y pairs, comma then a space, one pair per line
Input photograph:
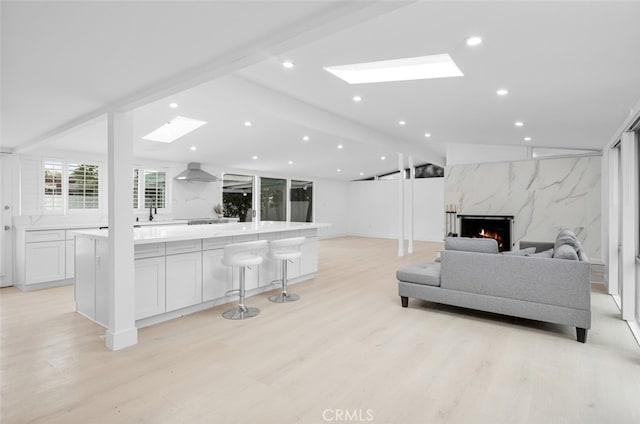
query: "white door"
216, 278
45, 261
150, 286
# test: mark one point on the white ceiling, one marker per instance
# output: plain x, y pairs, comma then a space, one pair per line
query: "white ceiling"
571, 69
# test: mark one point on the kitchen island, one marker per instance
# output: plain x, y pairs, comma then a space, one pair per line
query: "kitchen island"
178, 268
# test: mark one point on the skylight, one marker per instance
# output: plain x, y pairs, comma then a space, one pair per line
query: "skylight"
174, 129
411, 68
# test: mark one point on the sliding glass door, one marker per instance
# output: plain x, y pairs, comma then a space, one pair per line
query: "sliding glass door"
237, 197
301, 201
273, 201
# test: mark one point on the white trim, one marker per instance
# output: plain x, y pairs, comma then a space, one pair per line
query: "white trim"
634, 326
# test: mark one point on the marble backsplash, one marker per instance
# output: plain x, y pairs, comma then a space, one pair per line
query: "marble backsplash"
544, 196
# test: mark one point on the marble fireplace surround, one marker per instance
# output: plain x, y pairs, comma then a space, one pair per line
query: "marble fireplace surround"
543, 195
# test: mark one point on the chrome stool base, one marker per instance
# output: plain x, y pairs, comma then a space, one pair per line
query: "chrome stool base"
284, 297
241, 312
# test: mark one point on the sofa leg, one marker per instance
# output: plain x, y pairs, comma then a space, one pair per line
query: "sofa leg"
405, 301
581, 334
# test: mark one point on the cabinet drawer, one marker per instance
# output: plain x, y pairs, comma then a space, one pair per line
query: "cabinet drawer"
245, 237
309, 232
185, 246
272, 236
148, 250
216, 243
289, 234
48, 235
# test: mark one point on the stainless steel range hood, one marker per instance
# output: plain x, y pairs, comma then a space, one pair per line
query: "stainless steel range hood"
194, 173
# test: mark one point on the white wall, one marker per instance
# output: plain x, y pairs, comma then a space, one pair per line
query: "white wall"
459, 153
190, 199
332, 206
373, 209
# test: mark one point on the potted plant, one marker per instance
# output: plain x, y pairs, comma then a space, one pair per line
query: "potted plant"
218, 210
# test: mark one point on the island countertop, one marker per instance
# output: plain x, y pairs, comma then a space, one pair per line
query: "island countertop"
190, 232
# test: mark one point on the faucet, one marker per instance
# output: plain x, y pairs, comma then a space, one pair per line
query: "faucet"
152, 206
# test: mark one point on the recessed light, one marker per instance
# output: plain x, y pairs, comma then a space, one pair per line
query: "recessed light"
402, 122
357, 99
340, 146
518, 123
502, 92
527, 139
173, 105
383, 157
288, 64
305, 138
427, 135
193, 148
406, 69
361, 174
474, 40
339, 170
174, 129
290, 162
255, 158
247, 123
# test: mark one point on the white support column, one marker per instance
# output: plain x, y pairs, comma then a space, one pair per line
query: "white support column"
612, 204
627, 259
401, 205
122, 331
412, 176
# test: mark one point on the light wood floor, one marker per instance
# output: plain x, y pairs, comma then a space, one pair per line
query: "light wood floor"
346, 345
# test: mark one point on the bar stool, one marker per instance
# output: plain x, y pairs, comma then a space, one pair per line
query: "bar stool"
285, 250
242, 255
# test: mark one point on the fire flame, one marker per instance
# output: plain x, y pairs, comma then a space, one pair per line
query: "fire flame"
489, 234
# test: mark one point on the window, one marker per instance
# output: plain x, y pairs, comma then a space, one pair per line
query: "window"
83, 191
237, 197
136, 189
53, 199
155, 189
273, 206
301, 201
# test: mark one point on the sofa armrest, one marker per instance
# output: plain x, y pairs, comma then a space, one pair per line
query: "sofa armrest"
541, 280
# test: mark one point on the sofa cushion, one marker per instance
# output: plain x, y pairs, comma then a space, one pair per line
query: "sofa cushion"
565, 251
522, 252
568, 238
421, 273
467, 244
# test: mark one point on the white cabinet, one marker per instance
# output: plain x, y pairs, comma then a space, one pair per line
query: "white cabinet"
45, 261
150, 286
91, 289
70, 258
184, 280
216, 279
85, 287
309, 259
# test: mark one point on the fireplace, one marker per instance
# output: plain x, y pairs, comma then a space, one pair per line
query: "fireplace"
497, 227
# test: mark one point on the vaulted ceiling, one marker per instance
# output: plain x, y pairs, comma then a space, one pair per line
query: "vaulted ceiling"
570, 68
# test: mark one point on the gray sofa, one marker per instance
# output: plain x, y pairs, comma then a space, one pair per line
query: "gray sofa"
472, 274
